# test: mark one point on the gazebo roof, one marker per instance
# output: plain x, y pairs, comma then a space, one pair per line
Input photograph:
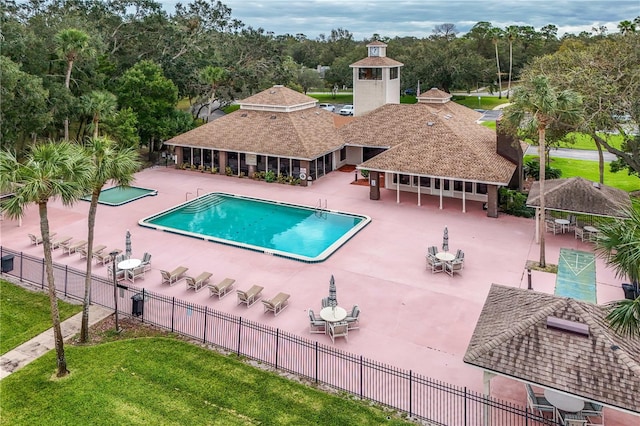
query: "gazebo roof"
512, 338
580, 195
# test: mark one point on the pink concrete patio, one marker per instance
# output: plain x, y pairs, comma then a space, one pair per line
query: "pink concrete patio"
410, 318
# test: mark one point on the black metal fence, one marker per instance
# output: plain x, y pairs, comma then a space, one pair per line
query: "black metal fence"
413, 394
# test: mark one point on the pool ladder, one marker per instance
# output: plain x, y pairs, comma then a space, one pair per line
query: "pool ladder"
202, 204
320, 211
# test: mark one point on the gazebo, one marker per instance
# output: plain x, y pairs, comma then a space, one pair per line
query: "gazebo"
579, 195
517, 336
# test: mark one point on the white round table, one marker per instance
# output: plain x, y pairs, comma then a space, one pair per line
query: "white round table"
129, 264
591, 229
564, 223
330, 314
564, 402
445, 256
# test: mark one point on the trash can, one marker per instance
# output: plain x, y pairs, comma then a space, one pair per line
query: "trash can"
137, 305
7, 263
629, 291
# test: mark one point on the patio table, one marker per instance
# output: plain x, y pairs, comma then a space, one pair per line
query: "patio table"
331, 314
564, 402
445, 256
564, 224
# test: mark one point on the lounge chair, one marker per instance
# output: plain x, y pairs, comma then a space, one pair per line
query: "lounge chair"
198, 282
338, 329
38, 240
104, 256
221, 289
174, 276
250, 296
134, 273
353, 318
538, 403
84, 251
75, 246
316, 325
60, 242
277, 303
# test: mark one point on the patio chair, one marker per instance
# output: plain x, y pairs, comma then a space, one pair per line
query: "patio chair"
174, 276
316, 325
460, 254
433, 250
221, 289
60, 242
579, 233
74, 247
573, 221
594, 413
572, 419
134, 273
454, 266
250, 296
84, 251
338, 329
277, 303
353, 318
435, 264
146, 261
198, 282
120, 273
325, 302
538, 403
552, 226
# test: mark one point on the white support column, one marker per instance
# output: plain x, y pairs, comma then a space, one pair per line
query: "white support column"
238, 163
419, 200
441, 185
486, 380
191, 159
464, 199
398, 188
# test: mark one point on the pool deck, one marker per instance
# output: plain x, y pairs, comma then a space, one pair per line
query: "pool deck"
410, 318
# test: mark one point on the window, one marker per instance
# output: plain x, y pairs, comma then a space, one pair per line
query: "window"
343, 153
481, 188
457, 185
425, 182
370, 74
393, 73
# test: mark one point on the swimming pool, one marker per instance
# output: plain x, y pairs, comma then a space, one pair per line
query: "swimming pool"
281, 229
119, 195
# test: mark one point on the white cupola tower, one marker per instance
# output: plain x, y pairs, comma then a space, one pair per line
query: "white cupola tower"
376, 79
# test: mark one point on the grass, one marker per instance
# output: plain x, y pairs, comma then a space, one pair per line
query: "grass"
583, 141
486, 102
589, 170
25, 314
161, 380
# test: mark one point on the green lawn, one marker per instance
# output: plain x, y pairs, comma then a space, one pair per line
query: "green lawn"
589, 170
25, 314
485, 102
166, 381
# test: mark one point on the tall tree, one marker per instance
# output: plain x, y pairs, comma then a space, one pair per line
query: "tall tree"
496, 34
51, 170
212, 76
619, 244
71, 43
98, 104
537, 106
109, 162
511, 33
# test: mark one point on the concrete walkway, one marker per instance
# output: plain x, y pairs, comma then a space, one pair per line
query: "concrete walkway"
17, 358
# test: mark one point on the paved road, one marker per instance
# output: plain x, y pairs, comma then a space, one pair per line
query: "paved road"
576, 154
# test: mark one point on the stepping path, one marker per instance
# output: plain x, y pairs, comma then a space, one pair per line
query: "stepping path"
18, 357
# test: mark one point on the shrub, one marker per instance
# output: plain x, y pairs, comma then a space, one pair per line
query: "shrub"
364, 173
281, 178
270, 176
532, 169
228, 171
514, 203
214, 170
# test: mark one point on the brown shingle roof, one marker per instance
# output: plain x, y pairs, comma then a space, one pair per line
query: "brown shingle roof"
511, 338
454, 146
376, 61
582, 196
377, 43
278, 96
434, 93
303, 134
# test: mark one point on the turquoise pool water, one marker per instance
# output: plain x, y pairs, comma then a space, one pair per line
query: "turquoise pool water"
119, 195
576, 276
298, 232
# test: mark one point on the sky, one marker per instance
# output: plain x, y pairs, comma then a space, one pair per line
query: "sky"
418, 18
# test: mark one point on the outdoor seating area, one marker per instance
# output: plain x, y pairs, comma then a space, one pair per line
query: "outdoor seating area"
563, 408
106, 256
333, 319
444, 261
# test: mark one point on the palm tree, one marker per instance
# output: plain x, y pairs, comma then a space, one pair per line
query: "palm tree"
619, 244
496, 33
109, 163
626, 27
212, 76
51, 170
512, 34
71, 43
98, 104
536, 106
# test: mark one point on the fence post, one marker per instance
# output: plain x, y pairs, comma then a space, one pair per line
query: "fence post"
21, 264
239, 332
465, 405
143, 302
277, 343
410, 393
173, 311
317, 361
204, 334
42, 280
66, 279
361, 378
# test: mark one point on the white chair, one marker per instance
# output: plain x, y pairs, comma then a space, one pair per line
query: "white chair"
552, 226
538, 403
435, 264
338, 329
134, 273
316, 325
353, 318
